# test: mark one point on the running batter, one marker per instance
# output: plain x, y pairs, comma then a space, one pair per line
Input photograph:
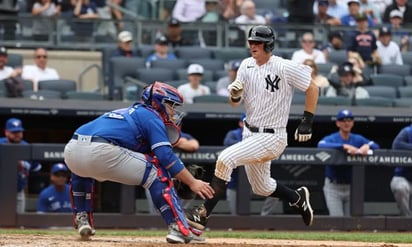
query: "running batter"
134, 146
265, 83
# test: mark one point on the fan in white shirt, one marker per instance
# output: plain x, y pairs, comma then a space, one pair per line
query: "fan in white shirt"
39, 71
249, 16
308, 50
388, 50
6, 71
193, 88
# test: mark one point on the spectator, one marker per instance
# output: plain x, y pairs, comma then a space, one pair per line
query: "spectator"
161, 51
364, 42
174, 34
39, 71
65, 7
212, 13
381, 5
108, 15
248, 16
230, 9
335, 9
346, 86
396, 24
189, 10
337, 185
300, 11
401, 5
371, 10
402, 179
7, 71
320, 81
388, 51
360, 79
223, 83
124, 47
13, 132
354, 11
322, 16
55, 198
336, 43
43, 25
308, 50
193, 88
84, 10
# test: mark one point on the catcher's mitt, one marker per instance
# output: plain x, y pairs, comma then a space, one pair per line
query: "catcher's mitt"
184, 191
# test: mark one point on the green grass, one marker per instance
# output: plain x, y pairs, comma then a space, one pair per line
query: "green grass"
372, 237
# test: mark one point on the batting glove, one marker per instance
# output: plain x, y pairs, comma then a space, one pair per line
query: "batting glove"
235, 89
304, 131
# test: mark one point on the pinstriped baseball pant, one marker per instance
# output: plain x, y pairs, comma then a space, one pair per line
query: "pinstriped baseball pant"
255, 152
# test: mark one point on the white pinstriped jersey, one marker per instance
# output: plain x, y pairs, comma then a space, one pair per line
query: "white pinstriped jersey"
269, 88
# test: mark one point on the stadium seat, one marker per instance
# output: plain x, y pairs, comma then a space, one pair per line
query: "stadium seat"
407, 57
298, 98
42, 94
14, 60
405, 92
230, 53
212, 85
375, 101
28, 84
120, 68
408, 80
220, 73
211, 98
60, 85
84, 95
151, 75
146, 50
382, 91
209, 63
387, 80
192, 52
169, 64
182, 75
402, 70
337, 57
402, 102
339, 100
324, 68
176, 83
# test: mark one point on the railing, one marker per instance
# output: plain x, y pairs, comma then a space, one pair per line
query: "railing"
9, 154
102, 32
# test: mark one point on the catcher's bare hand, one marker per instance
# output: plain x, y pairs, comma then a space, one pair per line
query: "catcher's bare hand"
202, 189
304, 131
235, 89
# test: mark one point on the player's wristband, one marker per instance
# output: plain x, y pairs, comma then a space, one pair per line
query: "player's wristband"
235, 99
308, 117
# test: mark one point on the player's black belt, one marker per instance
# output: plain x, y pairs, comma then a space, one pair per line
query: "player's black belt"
259, 130
93, 139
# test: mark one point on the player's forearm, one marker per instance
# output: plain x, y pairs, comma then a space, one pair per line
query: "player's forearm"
312, 94
185, 177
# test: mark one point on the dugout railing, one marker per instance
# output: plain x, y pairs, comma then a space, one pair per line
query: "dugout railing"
127, 217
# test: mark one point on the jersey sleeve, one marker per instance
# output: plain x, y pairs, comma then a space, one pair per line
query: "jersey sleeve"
330, 142
42, 203
299, 75
402, 141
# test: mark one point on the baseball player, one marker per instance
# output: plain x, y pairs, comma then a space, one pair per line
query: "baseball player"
133, 146
401, 182
13, 132
265, 83
55, 198
337, 179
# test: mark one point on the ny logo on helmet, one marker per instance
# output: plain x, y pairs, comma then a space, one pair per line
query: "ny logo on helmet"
274, 84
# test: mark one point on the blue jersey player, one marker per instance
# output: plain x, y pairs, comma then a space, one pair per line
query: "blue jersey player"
56, 197
133, 146
13, 132
338, 178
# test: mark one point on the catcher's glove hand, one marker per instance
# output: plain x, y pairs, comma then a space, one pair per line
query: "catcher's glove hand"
304, 131
184, 191
235, 89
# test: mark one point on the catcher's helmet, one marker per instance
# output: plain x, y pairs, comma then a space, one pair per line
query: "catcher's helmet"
265, 34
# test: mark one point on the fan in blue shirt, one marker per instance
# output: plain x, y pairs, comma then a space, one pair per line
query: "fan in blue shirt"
338, 178
55, 198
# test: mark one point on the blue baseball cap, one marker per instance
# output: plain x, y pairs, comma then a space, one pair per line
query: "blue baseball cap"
345, 113
323, 3
234, 65
242, 117
14, 125
59, 167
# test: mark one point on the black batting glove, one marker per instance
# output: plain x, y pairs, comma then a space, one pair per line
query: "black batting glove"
304, 131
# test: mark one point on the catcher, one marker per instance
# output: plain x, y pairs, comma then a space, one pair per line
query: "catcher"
133, 146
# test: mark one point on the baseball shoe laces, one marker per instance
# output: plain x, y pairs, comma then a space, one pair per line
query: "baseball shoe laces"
83, 226
303, 205
197, 218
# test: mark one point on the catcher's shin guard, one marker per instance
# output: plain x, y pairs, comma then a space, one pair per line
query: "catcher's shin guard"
170, 197
81, 197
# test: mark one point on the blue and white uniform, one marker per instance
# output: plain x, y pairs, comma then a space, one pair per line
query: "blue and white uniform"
52, 200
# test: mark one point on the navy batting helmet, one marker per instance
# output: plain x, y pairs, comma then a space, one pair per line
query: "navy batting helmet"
265, 34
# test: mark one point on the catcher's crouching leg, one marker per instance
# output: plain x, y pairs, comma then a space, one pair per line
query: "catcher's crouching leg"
81, 195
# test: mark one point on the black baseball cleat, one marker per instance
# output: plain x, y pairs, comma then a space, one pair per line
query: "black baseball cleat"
196, 217
303, 205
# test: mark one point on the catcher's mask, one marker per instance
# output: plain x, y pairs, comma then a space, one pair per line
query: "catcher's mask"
264, 34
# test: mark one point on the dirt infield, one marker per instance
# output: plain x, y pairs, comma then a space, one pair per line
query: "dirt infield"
34, 240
